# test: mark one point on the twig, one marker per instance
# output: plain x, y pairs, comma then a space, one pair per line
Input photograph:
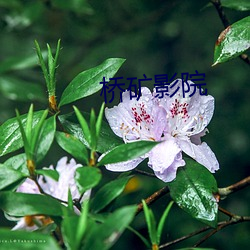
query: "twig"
226, 23
152, 198
235, 220
223, 192
224, 211
144, 173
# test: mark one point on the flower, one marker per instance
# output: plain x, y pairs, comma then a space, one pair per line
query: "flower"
58, 189
178, 122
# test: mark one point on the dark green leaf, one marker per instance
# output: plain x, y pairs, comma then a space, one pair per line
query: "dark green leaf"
46, 137
88, 82
106, 234
69, 230
108, 193
151, 223
73, 146
53, 174
107, 139
18, 162
232, 41
10, 136
127, 152
162, 221
9, 175
241, 5
16, 240
78, 6
193, 191
87, 177
18, 63
20, 204
19, 90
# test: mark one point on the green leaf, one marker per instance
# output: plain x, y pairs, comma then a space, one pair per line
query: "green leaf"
20, 204
16, 240
78, 6
232, 41
99, 121
10, 136
105, 235
162, 221
92, 128
108, 193
88, 82
46, 138
53, 174
19, 63
127, 152
74, 228
73, 146
193, 191
87, 177
84, 125
151, 223
19, 90
9, 176
18, 162
107, 139
69, 230
241, 5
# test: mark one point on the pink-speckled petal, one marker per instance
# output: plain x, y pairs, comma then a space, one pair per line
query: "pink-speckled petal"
189, 115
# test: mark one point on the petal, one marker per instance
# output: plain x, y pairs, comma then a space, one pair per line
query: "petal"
190, 115
59, 189
165, 158
201, 153
136, 120
125, 166
28, 186
21, 225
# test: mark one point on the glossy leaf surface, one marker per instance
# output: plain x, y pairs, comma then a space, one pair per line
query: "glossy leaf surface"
10, 136
88, 82
87, 177
108, 193
29, 204
105, 235
193, 191
232, 41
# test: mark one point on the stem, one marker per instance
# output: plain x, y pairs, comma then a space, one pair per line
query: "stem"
152, 198
224, 192
235, 220
144, 173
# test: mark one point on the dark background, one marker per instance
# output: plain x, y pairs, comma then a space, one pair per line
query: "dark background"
155, 37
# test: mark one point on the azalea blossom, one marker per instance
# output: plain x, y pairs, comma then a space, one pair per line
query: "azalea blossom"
176, 121
58, 189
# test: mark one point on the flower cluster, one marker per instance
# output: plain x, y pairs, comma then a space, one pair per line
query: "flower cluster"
58, 189
179, 123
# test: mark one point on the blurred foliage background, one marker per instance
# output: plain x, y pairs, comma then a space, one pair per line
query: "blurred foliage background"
155, 37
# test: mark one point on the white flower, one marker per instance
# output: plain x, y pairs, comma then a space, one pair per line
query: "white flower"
58, 189
177, 122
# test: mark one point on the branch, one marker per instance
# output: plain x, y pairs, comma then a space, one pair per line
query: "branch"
223, 192
235, 220
144, 173
226, 23
152, 198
